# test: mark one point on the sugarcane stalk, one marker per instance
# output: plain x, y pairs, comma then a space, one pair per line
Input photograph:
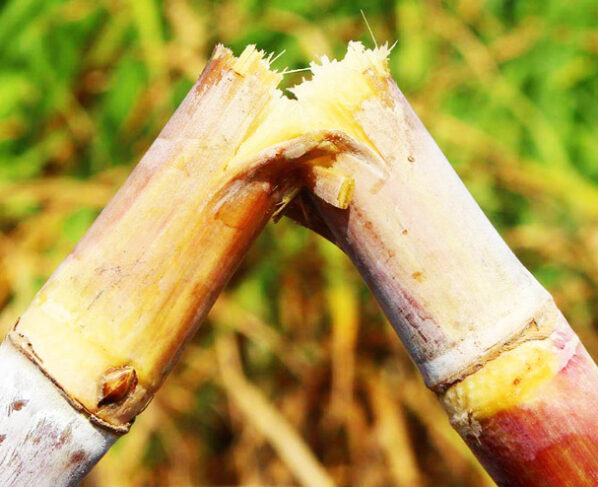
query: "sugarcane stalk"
99, 338
513, 376
101, 335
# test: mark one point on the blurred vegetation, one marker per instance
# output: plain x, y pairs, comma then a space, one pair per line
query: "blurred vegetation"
296, 377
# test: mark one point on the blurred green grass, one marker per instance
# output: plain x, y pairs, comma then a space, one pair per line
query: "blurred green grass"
508, 89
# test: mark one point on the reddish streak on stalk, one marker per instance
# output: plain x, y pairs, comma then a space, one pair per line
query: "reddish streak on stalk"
551, 441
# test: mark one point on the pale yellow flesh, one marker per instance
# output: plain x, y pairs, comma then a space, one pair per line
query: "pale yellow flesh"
328, 101
507, 381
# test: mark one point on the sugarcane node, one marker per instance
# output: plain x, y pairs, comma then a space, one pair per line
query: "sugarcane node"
116, 384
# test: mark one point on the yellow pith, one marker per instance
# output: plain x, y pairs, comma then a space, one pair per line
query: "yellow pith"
329, 101
507, 381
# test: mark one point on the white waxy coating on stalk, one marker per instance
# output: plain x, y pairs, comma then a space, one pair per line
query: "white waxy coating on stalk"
44, 440
443, 275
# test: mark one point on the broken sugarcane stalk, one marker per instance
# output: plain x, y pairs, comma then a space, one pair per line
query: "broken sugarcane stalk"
513, 376
109, 324
98, 339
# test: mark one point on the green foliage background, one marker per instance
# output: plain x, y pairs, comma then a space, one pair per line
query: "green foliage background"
508, 89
